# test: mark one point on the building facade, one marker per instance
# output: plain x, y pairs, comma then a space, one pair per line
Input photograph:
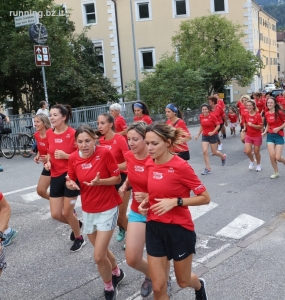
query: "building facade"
155, 22
281, 54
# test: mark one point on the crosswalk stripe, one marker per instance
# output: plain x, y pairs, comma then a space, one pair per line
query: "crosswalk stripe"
240, 226
30, 197
198, 211
20, 190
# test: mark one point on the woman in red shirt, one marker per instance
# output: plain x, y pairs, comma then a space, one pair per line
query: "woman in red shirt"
120, 122
141, 112
275, 118
209, 129
218, 111
61, 144
137, 179
96, 170
169, 229
174, 116
242, 111
42, 124
118, 147
252, 127
232, 116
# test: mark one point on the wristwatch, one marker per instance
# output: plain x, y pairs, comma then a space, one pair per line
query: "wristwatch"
179, 201
2, 236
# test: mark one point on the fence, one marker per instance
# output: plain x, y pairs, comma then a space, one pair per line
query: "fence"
89, 115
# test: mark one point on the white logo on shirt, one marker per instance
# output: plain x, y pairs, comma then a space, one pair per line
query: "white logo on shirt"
86, 166
157, 175
42, 144
139, 168
68, 136
58, 141
170, 170
97, 157
109, 147
114, 142
200, 187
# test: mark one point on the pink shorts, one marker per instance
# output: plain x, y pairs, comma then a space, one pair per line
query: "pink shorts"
254, 140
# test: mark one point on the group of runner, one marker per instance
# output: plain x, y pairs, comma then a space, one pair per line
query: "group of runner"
108, 164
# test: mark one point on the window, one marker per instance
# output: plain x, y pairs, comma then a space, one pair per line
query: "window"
180, 8
99, 50
219, 6
143, 10
89, 13
147, 59
260, 20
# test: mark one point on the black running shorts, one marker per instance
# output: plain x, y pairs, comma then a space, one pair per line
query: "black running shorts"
171, 240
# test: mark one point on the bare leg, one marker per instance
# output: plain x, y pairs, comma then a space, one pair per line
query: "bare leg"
206, 155
43, 184
257, 154
248, 151
215, 152
122, 218
272, 155
56, 207
68, 213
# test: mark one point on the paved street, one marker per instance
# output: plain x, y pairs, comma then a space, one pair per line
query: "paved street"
243, 223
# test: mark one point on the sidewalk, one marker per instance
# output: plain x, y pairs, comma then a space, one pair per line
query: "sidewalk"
254, 269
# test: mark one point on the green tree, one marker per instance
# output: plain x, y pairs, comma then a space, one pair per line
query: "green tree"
171, 82
74, 76
212, 44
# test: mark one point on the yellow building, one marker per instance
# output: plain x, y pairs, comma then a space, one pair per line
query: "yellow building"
155, 22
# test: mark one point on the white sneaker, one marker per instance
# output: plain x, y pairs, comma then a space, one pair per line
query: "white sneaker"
251, 165
220, 147
258, 168
275, 175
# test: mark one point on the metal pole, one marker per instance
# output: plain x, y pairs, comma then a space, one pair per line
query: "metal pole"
135, 52
45, 84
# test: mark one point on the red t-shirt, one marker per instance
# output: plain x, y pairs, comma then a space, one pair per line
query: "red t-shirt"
121, 125
208, 123
243, 111
173, 179
239, 104
1, 196
180, 124
65, 142
42, 143
233, 117
260, 105
118, 146
137, 176
256, 120
219, 113
144, 118
221, 103
97, 198
281, 101
272, 123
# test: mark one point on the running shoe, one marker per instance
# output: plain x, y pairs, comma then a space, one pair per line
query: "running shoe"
111, 295
121, 234
72, 236
258, 168
77, 245
169, 286
206, 172
9, 237
146, 288
224, 160
116, 280
220, 147
275, 175
201, 294
251, 165
224, 136
1, 169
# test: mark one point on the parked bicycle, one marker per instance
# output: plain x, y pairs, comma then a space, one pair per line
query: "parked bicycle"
7, 145
25, 143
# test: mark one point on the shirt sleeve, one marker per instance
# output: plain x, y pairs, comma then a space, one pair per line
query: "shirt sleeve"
71, 171
123, 145
190, 179
122, 123
111, 163
182, 125
1, 196
147, 119
215, 120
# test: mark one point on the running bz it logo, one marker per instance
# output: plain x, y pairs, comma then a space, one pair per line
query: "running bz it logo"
157, 175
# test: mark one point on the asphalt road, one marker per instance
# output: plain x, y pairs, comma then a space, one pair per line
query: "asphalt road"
40, 265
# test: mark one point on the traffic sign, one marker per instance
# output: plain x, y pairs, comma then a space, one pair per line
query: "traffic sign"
25, 20
42, 56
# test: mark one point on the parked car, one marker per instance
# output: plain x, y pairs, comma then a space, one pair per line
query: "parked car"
276, 92
269, 87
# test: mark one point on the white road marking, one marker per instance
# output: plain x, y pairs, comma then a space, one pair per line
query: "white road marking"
30, 197
211, 254
134, 295
198, 211
240, 226
20, 190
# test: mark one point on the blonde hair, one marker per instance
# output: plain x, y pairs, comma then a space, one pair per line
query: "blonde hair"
44, 118
246, 97
176, 136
